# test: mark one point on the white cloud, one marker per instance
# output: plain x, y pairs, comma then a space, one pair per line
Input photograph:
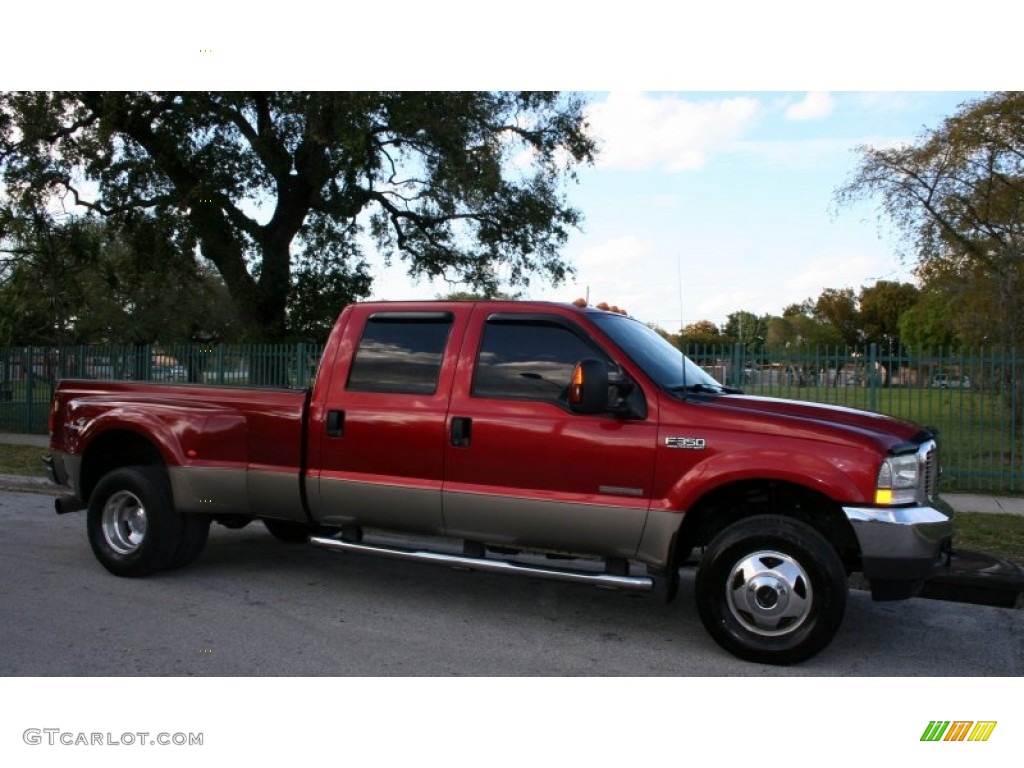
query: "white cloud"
620, 270
814, 106
625, 249
805, 153
842, 269
641, 132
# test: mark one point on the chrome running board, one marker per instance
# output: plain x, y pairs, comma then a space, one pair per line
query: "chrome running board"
634, 583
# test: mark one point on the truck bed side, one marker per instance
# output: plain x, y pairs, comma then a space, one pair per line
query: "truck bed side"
227, 450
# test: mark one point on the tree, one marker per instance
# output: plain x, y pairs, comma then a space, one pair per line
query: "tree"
281, 191
747, 329
479, 296
702, 333
800, 331
928, 325
881, 307
80, 281
957, 196
838, 307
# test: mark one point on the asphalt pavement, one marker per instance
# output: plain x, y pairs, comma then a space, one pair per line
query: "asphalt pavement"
252, 605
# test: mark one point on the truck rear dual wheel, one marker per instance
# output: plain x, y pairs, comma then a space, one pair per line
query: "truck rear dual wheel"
771, 589
133, 527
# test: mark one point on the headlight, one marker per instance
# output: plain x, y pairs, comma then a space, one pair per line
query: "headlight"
897, 480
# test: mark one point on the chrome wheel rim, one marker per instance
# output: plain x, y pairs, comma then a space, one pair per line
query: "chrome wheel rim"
124, 522
769, 593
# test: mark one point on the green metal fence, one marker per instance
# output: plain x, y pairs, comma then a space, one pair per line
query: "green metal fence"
28, 374
973, 398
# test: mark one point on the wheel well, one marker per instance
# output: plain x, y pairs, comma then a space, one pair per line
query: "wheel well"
724, 506
114, 449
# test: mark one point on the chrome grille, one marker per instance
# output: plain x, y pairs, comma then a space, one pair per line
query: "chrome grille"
928, 458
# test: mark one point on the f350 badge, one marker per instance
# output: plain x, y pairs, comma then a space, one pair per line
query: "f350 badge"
686, 443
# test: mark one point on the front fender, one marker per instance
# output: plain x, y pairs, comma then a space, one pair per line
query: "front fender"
835, 476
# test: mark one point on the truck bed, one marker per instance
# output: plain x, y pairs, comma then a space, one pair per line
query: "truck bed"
229, 450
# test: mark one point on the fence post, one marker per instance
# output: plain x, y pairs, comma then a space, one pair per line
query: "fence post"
873, 376
30, 384
1015, 429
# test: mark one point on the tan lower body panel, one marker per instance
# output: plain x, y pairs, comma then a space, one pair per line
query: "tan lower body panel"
657, 539
607, 531
210, 490
276, 494
378, 505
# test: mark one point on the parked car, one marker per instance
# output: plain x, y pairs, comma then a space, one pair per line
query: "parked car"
950, 381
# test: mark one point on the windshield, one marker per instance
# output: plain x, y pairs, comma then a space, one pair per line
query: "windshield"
656, 356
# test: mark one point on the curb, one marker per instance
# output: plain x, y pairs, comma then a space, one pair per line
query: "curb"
24, 484
974, 577
10, 438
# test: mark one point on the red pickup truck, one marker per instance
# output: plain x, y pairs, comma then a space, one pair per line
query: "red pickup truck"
525, 438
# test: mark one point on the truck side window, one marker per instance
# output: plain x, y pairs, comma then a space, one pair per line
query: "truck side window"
400, 353
528, 361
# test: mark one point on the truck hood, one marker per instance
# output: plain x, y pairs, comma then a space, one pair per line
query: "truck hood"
831, 423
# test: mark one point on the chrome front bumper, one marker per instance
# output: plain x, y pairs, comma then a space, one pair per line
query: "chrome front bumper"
900, 546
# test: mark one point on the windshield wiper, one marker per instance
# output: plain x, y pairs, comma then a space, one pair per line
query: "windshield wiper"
714, 389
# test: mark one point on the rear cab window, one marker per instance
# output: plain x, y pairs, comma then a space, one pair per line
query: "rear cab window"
400, 353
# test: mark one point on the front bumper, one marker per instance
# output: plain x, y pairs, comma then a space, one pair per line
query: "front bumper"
900, 546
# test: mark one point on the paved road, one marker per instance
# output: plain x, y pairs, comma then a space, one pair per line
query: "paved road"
254, 606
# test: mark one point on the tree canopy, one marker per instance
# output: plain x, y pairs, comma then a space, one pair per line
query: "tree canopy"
957, 197
702, 332
284, 193
83, 281
838, 317
880, 307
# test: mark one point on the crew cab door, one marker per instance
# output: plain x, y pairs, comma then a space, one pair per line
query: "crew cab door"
382, 420
521, 467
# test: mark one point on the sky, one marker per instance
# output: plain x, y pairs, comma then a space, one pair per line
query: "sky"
701, 204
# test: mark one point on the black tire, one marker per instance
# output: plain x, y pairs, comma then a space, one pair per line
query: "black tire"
771, 589
195, 530
133, 527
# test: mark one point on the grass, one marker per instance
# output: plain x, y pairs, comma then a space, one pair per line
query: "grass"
22, 460
998, 535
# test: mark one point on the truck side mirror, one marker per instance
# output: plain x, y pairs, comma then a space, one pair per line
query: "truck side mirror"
588, 390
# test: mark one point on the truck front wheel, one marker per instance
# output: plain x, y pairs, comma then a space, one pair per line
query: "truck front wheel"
133, 527
771, 589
